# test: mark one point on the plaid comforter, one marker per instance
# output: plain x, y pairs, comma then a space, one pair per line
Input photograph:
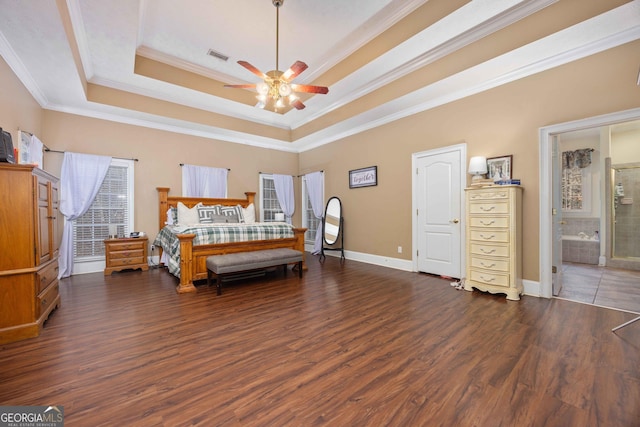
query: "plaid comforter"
216, 233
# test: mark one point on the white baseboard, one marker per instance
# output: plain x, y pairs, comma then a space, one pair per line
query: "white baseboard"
531, 288
398, 264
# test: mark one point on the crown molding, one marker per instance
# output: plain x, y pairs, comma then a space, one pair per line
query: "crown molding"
182, 64
606, 31
77, 23
20, 70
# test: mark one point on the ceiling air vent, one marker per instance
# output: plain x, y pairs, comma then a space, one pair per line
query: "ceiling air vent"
217, 55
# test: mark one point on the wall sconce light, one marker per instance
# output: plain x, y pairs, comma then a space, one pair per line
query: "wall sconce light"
477, 168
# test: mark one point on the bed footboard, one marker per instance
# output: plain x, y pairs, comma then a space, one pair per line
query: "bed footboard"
193, 259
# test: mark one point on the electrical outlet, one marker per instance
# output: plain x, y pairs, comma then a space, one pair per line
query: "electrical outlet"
399, 249
153, 248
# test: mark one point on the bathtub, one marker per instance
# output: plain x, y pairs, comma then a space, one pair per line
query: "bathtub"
580, 238
584, 250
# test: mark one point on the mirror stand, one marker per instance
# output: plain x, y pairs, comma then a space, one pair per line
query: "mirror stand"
332, 228
341, 248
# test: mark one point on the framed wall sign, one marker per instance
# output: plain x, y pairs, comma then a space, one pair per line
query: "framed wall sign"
365, 177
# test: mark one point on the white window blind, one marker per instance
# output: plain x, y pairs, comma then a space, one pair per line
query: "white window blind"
112, 206
269, 205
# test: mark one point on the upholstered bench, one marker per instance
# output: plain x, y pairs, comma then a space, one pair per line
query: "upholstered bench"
222, 265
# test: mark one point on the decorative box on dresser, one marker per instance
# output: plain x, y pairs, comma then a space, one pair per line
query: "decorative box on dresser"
29, 247
125, 253
494, 240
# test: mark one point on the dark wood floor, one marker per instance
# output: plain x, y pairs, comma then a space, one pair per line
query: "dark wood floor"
348, 345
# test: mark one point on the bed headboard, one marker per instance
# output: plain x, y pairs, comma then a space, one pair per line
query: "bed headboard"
165, 202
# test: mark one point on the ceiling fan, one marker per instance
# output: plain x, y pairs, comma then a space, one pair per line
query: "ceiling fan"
276, 87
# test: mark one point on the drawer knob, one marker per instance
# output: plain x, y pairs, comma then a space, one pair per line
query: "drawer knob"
487, 266
487, 280
487, 237
484, 251
487, 209
486, 222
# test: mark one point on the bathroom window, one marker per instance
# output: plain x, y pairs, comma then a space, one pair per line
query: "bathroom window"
576, 189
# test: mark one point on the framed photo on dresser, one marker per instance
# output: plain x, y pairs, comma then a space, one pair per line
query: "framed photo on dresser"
500, 168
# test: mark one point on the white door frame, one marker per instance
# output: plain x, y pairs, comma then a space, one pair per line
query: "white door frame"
462, 150
546, 188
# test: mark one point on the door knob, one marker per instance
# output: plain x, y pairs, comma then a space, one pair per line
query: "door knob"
455, 221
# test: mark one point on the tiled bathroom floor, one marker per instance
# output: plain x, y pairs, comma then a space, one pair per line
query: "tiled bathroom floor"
603, 286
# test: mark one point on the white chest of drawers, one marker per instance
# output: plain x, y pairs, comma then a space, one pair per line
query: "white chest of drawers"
494, 240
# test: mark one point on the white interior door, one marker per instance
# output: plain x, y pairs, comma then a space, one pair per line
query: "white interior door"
438, 199
556, 215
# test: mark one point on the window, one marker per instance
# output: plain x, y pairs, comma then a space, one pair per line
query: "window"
576, 191
309, 220
112, 206
269, 205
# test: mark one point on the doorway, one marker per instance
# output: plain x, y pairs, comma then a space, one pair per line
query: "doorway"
625, 214
596, 280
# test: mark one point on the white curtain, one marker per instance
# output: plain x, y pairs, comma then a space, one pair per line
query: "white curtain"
284, 192
202, 181
80, 181
315, 189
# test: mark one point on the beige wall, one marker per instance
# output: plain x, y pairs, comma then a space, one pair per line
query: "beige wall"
501, 121
160, 154
625, 147
18, 109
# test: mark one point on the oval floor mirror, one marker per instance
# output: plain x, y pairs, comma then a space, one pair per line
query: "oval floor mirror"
332, 228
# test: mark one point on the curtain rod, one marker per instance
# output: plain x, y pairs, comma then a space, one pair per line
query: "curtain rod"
47, 149
296, 176
321, 171
30, 134
182, 164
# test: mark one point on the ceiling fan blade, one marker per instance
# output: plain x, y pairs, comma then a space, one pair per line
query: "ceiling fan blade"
253, 86
253, 69
294, 71
297, 104
310, 89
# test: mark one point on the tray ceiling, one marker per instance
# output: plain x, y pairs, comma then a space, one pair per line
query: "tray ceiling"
146, 63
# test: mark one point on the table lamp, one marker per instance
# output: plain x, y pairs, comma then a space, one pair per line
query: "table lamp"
477, 168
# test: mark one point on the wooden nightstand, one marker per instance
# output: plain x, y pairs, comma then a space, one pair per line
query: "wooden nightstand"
127, 253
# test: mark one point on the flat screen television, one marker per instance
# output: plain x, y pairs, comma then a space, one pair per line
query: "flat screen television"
6, 147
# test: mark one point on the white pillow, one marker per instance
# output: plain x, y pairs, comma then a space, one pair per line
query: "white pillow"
169, 216
188, 216
249, 214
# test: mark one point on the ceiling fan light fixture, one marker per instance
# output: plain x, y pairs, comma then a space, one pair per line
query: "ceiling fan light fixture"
276, 85
284, 89
262, 88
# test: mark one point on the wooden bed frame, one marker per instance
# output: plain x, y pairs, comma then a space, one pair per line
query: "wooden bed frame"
193, 258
